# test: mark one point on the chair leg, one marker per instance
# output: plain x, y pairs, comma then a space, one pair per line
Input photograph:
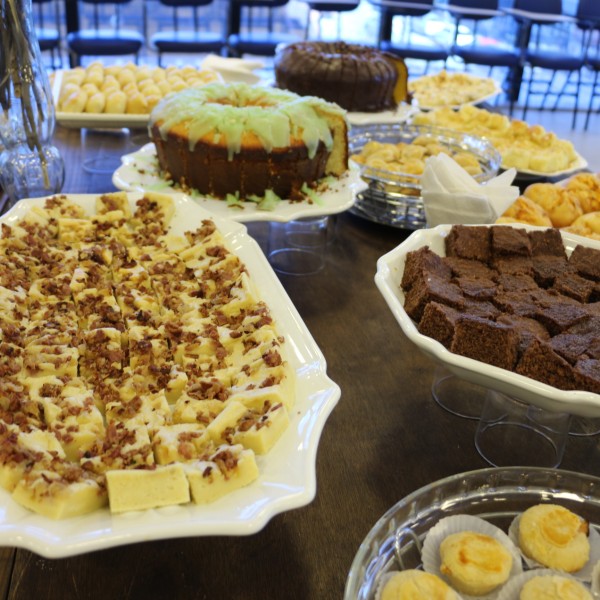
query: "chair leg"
576, 109
529, 82
589, 110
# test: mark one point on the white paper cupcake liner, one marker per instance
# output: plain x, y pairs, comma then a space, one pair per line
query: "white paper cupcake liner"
584, 574
430, 554
512, 589
385, 578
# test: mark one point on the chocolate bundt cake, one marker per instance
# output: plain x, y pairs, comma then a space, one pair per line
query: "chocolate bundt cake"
357, 77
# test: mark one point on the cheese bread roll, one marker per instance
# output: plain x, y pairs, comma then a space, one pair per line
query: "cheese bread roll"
553, 587
555, 537
474, 563
525, 210
562, 207
416, 585
586, 187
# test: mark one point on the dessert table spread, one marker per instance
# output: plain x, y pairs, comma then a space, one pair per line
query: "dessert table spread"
385, 438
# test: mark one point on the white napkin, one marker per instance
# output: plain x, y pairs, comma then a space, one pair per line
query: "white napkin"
402, 113
450, 195
233, 69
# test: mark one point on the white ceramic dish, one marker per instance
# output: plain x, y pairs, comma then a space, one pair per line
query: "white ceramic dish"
139, 172
287, 474
578, 164
474, 102
93, 121
494, 494
402, 113
388, 277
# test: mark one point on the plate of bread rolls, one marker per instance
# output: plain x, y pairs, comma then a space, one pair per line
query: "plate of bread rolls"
115, 96
572, 205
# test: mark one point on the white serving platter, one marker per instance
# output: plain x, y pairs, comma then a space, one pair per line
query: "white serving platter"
139, 172
287, 477
388, 277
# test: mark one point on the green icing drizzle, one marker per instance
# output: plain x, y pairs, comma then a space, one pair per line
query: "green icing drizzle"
273, 115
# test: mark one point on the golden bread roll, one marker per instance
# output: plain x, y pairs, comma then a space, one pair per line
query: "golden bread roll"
474, 563
110, 84
116, 103
125, 76
90, 88
590, 223
525, 210
94, 77
158, 74
553, 587
586, 188
413, 584
75, 102
137, 104
562, 207
96, 103
555, 537
76, 75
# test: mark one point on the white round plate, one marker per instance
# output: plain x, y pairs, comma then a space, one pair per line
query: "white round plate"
139, 172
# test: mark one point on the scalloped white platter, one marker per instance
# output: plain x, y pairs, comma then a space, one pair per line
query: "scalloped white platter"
287, 477
139, 172
388, 277
401, 114
474, 102
578, 164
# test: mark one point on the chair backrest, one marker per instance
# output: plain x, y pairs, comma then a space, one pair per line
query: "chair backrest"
476, 4
588, 9
186, 3
409, 8
549, 7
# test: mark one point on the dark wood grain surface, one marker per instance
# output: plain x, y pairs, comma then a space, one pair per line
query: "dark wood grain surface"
386, 438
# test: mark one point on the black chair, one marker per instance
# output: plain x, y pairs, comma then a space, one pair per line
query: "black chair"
46, 15
183, 39
588, 20
498, 53
409, 11
323, 8
106, 36
251, 28
544, 20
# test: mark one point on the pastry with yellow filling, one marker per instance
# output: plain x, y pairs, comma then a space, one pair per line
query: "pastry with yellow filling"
415, 585
553, 587
474, 563
555, 537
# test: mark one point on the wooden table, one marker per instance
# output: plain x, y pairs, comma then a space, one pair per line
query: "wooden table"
386, 438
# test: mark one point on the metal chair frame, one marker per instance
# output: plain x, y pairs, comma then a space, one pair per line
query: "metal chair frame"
50, 39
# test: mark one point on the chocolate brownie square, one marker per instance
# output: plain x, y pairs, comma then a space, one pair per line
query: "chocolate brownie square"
509, 282
431, 289
587, 375
589, 325
492, 343
559, 316
480, 308
541, 363
586, 261
509, 241
547, 242
438, 322
526, 328
516, 303
571, 346
464, 267
574, 286
547, 268
513, 265
472, 287
420, 263
468, 242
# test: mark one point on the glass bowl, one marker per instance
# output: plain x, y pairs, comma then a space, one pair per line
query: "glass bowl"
394, 198
495, 494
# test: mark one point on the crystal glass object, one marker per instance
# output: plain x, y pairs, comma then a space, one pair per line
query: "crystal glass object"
30, 165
